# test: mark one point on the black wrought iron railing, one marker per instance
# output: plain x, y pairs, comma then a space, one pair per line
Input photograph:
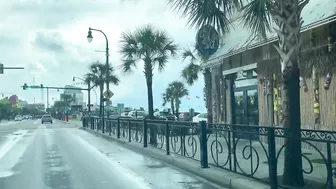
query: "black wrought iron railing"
274, 155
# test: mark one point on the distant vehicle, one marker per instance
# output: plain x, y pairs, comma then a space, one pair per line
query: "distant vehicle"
18, 118
137, 114
185, 116
46, 118
25, 117
165, 115
200, 117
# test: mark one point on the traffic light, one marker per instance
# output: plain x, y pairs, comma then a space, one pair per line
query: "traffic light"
25, 86
42, 87
1, 68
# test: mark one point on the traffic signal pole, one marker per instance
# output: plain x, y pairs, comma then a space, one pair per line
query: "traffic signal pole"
25, 86
47, 97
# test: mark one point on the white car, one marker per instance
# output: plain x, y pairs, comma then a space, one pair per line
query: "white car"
18, 118
137, 114
200, 117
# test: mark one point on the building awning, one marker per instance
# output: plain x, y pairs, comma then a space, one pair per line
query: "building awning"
314, 14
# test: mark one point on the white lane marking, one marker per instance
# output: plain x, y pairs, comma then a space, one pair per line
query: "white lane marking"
37, 122
10, 157
9, 123
133, 177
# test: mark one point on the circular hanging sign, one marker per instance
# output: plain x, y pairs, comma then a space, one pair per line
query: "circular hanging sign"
207, 40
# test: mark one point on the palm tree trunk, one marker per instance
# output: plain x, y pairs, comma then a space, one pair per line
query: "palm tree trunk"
177, 106
207, 93
101, 88
149, 82
172, 107
288, 19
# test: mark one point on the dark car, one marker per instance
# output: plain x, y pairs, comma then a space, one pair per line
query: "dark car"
165, 116
46, 118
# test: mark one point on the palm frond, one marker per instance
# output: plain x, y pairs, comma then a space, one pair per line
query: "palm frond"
190, 73
113, 79
216, 13
178, 89
128, 65
257, 16
187, 53
129, 45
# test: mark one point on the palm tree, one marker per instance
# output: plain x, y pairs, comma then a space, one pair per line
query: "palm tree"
191, 72
258, 15
98, 77
167, 97
153, 47
178, 91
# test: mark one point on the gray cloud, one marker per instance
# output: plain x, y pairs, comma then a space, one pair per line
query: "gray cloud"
49, 41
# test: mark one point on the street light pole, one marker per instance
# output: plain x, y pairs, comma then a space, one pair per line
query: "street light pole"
89, 38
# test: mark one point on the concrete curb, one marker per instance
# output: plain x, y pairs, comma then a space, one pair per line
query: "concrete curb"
216, 175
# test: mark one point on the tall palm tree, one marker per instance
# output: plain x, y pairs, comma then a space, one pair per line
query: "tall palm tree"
178, 91
167, 97
151, 46
98, 77
191, 72
258, 15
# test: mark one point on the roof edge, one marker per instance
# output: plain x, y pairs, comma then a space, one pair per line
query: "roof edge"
216, 61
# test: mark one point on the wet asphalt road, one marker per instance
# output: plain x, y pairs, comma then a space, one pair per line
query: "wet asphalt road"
60, 156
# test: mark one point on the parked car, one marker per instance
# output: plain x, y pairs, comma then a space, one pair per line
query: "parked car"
200, 117
164, 115
18, 118
137, 114
46, 118
185, 116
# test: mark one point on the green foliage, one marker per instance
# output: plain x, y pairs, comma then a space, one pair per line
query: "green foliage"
173, 94
98, 75
151, 46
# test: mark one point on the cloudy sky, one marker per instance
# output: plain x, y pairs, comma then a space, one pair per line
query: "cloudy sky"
48, 38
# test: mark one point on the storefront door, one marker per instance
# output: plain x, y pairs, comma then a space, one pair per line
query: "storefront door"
245, 108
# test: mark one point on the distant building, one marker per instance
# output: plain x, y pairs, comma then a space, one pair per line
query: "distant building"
39, 106
77, 95
22, 103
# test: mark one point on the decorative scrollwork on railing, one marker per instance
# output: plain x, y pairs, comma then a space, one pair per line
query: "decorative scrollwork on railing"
176, 144
136, 132
249, 152
217, 149
190, 146
310, 165
318, 135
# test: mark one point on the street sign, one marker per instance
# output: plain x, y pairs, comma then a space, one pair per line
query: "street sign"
108, 94
35, 86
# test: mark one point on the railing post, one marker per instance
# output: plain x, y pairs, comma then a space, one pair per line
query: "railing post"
118, 128
103, 125
329, 167
204, 146
83, 122
145, 136
110, 127
272, 159
129, 131
167, 138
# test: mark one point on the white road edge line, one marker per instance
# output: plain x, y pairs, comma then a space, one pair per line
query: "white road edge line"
12, 139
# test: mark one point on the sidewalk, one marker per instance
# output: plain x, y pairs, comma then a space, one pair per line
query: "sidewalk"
75, 122
213, 174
